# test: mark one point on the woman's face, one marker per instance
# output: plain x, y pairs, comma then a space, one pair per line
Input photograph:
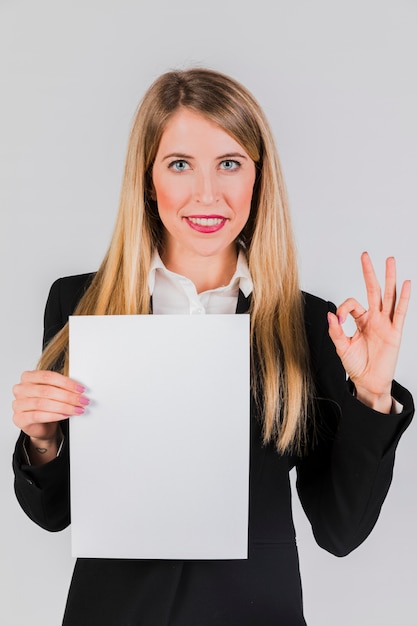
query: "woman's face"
203, 181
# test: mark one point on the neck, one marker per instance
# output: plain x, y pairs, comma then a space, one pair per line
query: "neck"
205, 272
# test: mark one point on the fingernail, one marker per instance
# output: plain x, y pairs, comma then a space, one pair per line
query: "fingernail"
80, 388
83, 400
340, 318
79, 410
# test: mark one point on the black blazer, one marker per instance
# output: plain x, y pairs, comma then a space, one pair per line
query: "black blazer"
342, 481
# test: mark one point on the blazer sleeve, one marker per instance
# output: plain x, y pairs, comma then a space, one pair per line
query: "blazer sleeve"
43, 491
343, 480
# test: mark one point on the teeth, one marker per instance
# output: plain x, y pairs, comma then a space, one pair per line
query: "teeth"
206, 221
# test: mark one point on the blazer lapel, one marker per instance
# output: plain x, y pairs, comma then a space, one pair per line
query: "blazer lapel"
243, 303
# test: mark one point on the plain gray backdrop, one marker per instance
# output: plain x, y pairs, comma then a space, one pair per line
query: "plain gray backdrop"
338, 83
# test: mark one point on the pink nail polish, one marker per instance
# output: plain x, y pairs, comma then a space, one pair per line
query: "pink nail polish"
80, 388
78, 410
340, 318
83, 400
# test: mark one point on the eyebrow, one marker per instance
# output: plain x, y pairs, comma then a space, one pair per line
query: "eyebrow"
180, 155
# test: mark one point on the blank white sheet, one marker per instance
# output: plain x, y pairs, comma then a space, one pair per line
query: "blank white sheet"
160, 459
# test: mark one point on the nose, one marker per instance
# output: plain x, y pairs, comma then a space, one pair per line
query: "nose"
206, 190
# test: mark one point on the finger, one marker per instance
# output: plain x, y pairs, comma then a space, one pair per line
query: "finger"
42, 409
373, 289
31, 390
34, 419
390, 293
28, 419
350, 307
47, 377
401, 310
37, 421
337, 334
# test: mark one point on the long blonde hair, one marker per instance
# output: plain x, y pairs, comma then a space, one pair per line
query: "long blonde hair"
280, 378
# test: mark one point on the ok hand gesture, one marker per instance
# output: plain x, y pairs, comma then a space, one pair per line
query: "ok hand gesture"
370, 355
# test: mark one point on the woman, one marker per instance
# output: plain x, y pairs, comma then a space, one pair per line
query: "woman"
203, 204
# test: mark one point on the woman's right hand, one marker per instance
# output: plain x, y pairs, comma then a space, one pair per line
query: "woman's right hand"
43, 399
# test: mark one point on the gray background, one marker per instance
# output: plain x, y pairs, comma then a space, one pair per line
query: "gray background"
338, 83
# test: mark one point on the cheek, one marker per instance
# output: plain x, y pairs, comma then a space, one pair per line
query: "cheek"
168, 196
247, 195
244, 199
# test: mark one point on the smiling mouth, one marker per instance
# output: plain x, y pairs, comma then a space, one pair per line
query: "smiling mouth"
206, 221
206, 224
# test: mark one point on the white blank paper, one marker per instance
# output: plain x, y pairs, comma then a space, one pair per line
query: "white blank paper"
160, 459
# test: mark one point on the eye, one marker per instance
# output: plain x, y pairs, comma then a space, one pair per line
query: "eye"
179, 165
229, 165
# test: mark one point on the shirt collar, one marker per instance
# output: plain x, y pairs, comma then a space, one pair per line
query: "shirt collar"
155, 265
241, 275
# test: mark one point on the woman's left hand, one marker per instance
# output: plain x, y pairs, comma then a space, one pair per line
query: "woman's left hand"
370, 355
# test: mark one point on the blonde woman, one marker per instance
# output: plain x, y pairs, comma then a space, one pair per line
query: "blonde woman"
203, 200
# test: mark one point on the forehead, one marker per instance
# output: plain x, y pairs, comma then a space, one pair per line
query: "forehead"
191, 132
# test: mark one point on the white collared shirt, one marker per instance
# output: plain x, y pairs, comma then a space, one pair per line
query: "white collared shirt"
176, 294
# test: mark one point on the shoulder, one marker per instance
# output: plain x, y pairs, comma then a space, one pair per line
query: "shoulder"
315, 308
73, 283
66, 292
64, 295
